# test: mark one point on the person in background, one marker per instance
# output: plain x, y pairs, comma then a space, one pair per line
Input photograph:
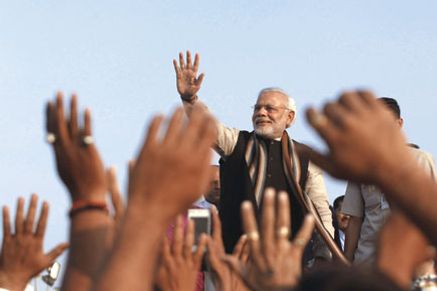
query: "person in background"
367, 205
341, 222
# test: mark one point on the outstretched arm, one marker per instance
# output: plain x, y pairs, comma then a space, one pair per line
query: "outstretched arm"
162, 184
81, 170
366, 146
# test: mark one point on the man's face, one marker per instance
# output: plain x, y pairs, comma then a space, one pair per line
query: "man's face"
213, 195
270, 115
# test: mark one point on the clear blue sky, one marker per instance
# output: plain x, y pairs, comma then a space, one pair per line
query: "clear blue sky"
117, 55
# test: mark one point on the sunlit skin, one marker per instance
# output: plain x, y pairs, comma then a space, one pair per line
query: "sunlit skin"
272, 123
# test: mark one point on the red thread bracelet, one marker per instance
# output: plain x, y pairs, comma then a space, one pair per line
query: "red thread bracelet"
81, 205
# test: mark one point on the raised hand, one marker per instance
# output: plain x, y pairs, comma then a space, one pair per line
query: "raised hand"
362, 136
225, 279
22, 256
180, 266
172, 173
116, 195
169, 174
187, 81
274, 262
77, 160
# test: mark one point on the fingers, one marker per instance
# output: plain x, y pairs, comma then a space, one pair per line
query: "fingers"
152, 133
176, 68
238, 249
175, 126
56, 252
114, 190
181, 61
73, 124
304, 235
178, 235
30, 219
19, 216
201, 246
87, 122
251, 230
166, 250
216, 227
189, 66
51, 118
196, 63
60, 122
6, 223
42, 221
200, 79
322, 125
268, 222
283, 216
320, 160
189, 239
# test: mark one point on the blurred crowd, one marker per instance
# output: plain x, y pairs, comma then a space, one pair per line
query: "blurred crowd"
259, 220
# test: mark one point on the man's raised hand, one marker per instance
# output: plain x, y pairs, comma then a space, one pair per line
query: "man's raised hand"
187, 81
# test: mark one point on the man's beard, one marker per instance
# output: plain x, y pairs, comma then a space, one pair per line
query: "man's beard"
264, 131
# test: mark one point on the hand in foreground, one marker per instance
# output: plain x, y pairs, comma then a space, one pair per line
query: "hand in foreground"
170, 174
187, 81
116, 195
274, 262
78, 162
402, 248
22, 256
225, 279
363, 138
180, 266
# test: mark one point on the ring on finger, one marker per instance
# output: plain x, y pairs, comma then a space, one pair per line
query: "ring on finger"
87, 140
283, 232
51, 138
253, 235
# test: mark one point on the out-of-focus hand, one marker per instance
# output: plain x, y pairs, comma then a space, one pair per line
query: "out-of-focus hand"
22, 256
116, 195
364, 140
225, 279
172, 172
401, 249
187, 81
274, 261
180, 266
77, 160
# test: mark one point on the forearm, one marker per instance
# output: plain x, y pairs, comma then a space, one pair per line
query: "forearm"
135, 253
352, 235
420, 207
91, 236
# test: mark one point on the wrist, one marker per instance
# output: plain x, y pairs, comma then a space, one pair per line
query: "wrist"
189, 98
11, 283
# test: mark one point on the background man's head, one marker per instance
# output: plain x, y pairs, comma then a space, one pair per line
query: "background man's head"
213, 195
393, 106
343, 219
273, 112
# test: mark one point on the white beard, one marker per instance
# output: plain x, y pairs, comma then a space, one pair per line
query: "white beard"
264, 131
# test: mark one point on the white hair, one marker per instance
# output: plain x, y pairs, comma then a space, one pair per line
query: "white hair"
291, 103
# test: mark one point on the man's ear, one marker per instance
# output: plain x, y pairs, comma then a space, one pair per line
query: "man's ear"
401, 122
290, 118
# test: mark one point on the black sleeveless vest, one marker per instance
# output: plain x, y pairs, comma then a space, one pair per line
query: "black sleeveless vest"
237, 187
